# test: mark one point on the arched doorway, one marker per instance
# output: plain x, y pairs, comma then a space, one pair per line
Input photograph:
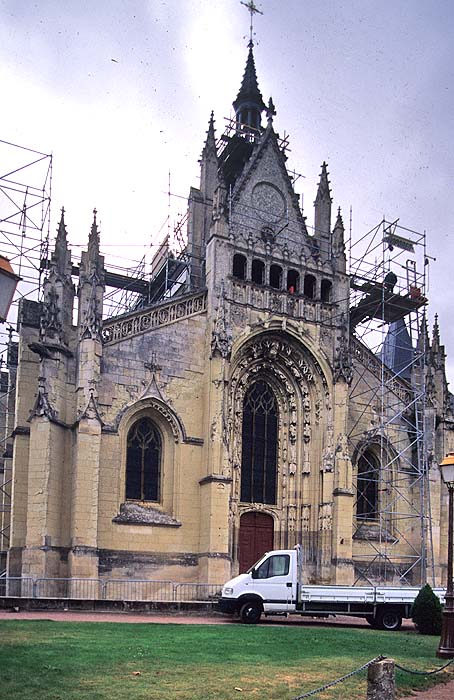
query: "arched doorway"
256, 538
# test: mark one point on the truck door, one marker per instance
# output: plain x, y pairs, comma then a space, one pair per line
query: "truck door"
272, 580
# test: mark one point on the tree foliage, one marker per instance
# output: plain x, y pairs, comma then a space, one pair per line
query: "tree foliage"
426, 611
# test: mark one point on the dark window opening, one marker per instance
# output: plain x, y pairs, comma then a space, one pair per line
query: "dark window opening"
143, 461
259, 445
325, 290
276, 276
239, 266
293, 282
258, 271
309, 286
367, 486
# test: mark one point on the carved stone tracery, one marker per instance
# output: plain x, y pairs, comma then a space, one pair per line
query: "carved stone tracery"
301, 390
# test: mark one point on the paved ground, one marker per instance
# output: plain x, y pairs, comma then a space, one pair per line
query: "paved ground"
444, 691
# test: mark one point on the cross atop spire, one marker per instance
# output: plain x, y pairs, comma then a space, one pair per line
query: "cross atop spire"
253, 10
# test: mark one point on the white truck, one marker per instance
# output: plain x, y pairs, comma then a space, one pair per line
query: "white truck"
273, 586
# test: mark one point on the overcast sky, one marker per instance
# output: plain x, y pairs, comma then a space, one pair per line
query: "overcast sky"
120, 92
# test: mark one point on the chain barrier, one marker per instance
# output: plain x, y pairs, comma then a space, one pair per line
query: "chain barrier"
423, 673
339, 680
362, 668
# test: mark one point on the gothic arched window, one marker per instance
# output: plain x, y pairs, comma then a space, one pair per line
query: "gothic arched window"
367, 505
143, 461
259, 445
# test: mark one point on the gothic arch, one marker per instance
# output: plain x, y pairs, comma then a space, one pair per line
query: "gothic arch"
163, 411
171, 432
371, 455
305, 425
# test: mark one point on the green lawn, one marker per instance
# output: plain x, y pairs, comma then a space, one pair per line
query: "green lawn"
43, 660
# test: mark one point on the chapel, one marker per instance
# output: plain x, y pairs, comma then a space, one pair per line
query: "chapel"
236, 407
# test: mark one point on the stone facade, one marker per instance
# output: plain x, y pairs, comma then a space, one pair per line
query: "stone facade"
265, 304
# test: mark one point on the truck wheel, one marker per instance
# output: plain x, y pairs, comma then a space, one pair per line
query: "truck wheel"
389, 619
251, 612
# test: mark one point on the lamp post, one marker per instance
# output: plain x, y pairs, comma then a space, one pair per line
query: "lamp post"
446, 646
8, 284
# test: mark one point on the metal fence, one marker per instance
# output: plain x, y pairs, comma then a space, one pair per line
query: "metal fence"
128, 590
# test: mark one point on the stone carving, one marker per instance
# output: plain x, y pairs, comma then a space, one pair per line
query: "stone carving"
291, 517
342, 368
92, 323
306, 518
325, 516
42, 406
50, 324
91, 410
163, 315
221, 337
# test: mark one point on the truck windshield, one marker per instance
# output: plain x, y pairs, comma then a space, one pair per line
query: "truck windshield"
257, 563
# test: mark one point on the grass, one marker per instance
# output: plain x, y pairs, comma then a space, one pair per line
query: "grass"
43, 660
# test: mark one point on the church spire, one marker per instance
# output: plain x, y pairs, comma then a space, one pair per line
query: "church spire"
249, 103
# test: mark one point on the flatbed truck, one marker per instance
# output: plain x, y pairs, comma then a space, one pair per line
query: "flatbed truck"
274, 586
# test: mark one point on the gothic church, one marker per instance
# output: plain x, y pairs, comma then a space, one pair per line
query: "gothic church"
235, 413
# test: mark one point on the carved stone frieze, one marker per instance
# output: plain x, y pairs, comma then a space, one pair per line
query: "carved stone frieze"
115, 330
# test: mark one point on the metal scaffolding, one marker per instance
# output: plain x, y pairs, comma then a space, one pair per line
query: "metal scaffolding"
25, 196
388, 406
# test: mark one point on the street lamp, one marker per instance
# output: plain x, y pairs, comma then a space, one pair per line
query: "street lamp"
446, 646
8, 284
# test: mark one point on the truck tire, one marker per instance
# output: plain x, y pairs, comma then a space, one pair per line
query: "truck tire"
389, 619
251, 612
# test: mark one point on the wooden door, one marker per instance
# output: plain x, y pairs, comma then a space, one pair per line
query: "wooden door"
256, 538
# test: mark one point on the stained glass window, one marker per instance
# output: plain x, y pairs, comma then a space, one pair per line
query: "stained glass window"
259, 445
143, 461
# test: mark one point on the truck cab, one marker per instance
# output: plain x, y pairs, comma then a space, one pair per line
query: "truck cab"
270, 585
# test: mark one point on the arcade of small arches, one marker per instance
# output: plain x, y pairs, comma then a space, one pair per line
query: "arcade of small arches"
278, 278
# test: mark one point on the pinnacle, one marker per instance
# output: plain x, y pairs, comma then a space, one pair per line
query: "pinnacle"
210, 143
249, 90
93, 239
323, 191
